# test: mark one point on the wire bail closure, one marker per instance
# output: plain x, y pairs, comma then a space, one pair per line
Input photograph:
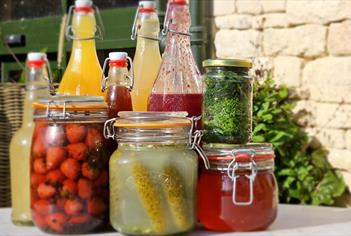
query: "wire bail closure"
136, 27
99, 27
103, 79
231, 172
195, 140
109, 130
49, 77
166, 24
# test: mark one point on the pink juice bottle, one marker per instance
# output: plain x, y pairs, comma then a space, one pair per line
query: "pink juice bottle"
179, 85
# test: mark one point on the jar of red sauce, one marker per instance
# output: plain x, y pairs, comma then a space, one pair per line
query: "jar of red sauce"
69, 175
239, 190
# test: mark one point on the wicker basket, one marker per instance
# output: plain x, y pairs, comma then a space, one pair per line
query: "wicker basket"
11, 108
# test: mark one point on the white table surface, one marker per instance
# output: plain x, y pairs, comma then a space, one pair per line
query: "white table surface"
292, 220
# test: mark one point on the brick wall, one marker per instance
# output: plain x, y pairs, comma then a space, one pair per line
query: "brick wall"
308, 43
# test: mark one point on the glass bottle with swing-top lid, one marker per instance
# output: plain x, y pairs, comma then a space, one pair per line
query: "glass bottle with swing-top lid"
118, 83
82, 75
147, 58
37, 84
178, 86
239, 191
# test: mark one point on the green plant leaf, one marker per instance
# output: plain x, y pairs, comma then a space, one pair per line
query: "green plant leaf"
303, 172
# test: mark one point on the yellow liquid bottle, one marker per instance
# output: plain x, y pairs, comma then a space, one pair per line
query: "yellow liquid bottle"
147, 58
36, 86
83, 72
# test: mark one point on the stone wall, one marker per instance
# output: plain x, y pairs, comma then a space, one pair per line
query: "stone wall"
309, 45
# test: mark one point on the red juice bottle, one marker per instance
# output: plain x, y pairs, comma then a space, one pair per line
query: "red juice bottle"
179, 85
117, 84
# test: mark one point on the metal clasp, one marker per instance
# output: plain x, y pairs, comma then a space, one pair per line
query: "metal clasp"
134, 34
49, 78
103, 79
99, 27
195, 140
166, 22
109, 130
135, 28
231, 171
65, 114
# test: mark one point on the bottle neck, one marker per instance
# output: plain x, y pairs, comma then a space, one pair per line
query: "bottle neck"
179, 25
117, 76
83, 28
37, 85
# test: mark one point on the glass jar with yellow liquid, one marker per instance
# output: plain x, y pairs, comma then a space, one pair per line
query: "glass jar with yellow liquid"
37, 85
147, 58
82, 75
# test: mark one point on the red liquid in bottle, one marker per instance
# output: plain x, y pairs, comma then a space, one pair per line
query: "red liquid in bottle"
192, 103
118, 99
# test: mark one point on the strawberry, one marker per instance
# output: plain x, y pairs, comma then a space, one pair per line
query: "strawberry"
75, 133
55, 156
70, 168
78, 151
85, 188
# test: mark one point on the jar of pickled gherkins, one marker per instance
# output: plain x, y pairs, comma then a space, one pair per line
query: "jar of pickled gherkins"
153, 173
227, 113
239, 190
69, 165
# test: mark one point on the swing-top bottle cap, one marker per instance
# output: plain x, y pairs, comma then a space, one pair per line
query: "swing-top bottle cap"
83, 3
147, 4
36, 56
114, 56
179, 2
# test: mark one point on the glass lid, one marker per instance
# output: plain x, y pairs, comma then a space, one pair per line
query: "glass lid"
151, 120
241, 152
64, 107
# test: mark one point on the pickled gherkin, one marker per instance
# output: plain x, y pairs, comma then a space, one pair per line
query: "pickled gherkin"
149, 197
174, 189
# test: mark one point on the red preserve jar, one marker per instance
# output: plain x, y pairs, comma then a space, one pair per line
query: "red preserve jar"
239, 191
69, 165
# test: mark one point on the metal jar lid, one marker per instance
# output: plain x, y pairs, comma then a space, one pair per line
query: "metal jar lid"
243, 63
70, 108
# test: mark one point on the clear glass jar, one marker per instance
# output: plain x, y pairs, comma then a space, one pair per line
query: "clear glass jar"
227, 113
69, 165
153, 173
239, 191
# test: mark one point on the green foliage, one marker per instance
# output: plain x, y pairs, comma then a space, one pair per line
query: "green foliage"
304, 175
226, 100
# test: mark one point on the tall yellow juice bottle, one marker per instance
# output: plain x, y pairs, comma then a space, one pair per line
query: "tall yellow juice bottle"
82, 75
37, 85
147, 58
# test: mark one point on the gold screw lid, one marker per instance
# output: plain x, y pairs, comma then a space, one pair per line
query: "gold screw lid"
244, 63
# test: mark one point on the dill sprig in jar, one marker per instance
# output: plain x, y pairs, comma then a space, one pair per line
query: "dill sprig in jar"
227, 101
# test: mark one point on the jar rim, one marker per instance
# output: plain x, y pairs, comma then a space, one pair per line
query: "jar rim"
241, 152
70, 107
237, 62
152, 120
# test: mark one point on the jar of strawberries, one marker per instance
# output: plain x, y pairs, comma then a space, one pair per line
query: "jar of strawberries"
69, 165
